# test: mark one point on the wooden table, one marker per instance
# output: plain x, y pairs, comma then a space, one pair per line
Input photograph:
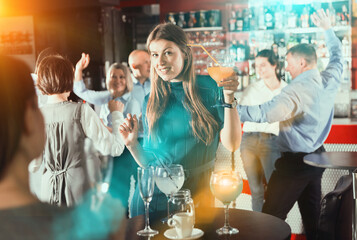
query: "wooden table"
339, 160
251, 225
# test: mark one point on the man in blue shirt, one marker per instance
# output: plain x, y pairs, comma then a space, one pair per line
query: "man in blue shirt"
305, 111
139, 63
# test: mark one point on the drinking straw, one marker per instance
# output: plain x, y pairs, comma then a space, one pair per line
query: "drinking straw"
204, 49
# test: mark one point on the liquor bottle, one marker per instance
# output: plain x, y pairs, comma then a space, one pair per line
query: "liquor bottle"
232, 21
245, 78
252, 19
171, 17
239, 21
332, 13
279, 18
253, 50
246, 19
233, 50
344, 16
346, 49
281, 48
181, 22
241, 51
261, 19
268, 18
252, 75
202, 19
292, 42
304, 18
311, 12
292, 20
192, 21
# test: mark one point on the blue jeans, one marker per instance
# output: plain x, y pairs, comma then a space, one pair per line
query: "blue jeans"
259, 153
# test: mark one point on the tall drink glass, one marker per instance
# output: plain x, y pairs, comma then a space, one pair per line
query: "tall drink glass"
146, 181
226, 187
169, 179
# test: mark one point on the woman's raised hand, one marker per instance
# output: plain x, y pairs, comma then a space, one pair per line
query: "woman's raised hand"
80, 65
129, 130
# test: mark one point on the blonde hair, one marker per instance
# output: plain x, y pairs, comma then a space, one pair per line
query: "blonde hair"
129, 80
203, 123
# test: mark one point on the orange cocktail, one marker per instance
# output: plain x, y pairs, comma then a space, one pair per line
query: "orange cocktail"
218, 73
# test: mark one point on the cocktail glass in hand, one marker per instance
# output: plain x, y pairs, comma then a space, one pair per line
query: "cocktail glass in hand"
220, 69
146, 181
169, 180
226, 187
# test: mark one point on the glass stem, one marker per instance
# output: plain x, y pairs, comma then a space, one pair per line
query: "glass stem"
220, 95
226, 215
147, 223
168, 205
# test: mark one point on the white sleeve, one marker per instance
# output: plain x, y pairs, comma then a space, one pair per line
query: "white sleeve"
106, 142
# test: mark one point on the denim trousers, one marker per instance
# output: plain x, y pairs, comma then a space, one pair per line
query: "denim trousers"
259, 153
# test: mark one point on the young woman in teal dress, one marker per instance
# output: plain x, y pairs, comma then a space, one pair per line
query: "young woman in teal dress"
180, 124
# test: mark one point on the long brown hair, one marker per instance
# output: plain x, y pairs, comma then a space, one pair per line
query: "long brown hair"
203, 123
17, 90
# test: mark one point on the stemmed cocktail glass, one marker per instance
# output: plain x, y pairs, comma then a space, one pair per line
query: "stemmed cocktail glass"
226, 187
219, 70
146, 181
219, 67
169, 180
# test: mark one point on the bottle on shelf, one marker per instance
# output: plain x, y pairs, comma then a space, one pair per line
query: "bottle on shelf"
252, 19
281, 48
279, 17
332, 13
246, 19
202, 20
292, 18
171, 17
269, 18
232, 21
253, 47
245, 78
239, 21
241, 49
192, 22
304, 18
344, 16
261, 19
181, 22
252, 75
233, 50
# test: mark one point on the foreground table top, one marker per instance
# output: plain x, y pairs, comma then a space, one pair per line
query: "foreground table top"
338, 160
251, 225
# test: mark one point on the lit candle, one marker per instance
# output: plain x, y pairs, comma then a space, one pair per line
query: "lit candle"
227, 187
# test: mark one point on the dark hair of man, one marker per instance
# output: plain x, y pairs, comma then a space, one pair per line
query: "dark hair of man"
16, 92
305, 51
55, 75
272, 59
